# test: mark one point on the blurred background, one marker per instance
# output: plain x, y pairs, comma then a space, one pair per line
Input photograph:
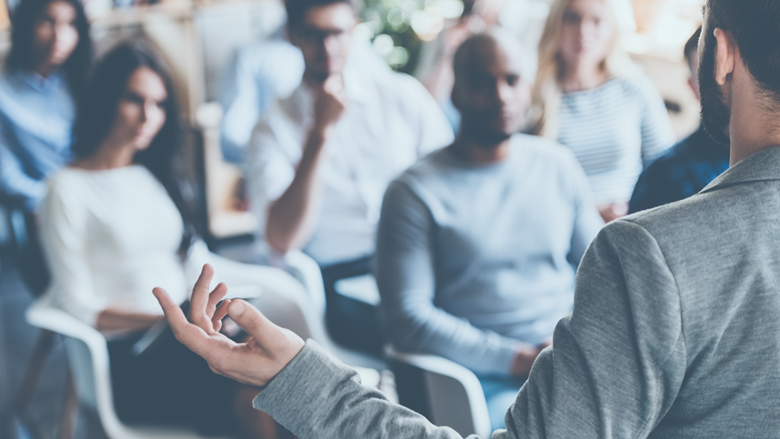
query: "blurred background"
192, 35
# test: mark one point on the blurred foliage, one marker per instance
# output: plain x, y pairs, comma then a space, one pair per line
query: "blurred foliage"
398, 28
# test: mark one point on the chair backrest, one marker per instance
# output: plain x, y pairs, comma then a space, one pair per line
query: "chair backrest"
308, 273
445, 392
283, 299
87, 354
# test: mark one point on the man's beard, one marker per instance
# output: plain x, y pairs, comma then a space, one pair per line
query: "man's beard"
479, 133
715, 114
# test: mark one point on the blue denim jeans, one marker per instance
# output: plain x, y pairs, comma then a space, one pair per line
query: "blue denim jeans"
500, 394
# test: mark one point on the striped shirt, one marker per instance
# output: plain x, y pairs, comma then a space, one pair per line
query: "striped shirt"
615, 131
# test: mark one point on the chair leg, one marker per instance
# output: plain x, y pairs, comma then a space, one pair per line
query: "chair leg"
32, 378
70, 410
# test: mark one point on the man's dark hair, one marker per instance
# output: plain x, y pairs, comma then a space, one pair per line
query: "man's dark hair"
97, 110
297, 9
755, 26
692, 46
22, 54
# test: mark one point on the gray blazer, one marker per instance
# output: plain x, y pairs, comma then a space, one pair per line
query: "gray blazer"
675, 333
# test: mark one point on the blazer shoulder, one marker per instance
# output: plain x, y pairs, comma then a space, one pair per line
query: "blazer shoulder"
699, 216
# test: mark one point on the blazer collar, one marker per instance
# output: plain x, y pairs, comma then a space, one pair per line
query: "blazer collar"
761, 166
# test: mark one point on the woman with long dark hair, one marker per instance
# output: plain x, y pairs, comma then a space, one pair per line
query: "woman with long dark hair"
50, 55
117, 223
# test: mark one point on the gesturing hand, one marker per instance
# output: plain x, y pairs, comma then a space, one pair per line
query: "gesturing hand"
255, 362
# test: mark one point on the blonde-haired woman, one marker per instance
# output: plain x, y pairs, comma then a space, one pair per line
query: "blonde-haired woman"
590, 97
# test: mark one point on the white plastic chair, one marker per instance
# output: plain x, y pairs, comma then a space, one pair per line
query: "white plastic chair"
308, 272
454, 395
87, 354
281, 297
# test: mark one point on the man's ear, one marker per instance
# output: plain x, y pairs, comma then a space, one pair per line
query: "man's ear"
693, 87
726, 56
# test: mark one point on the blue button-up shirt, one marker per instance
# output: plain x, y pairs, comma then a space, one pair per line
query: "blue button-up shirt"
682, 172
36, 123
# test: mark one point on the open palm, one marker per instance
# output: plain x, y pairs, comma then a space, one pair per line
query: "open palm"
254, 362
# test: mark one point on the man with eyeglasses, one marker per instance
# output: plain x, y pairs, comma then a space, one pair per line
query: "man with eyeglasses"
320, 160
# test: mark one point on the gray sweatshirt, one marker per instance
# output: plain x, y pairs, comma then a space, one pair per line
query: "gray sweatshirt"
473, 259
675, 333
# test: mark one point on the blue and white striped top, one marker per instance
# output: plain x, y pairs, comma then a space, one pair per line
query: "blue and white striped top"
615, 131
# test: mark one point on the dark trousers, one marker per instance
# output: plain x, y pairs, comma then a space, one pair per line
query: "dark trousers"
170, 385
352, 323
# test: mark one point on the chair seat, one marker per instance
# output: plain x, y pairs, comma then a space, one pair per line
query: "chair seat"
452, 394
162, 433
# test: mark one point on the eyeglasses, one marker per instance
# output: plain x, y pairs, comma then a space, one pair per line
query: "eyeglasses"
309, 35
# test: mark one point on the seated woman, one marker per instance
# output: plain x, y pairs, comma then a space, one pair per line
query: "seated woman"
118, 222
591, 98
51, 52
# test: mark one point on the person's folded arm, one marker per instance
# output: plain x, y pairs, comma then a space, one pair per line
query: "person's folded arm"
292, 216
406, 280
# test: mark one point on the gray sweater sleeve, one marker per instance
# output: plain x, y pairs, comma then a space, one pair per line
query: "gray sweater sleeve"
316, 396
614, 370
405, 277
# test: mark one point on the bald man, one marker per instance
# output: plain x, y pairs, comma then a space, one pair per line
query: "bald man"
478, 244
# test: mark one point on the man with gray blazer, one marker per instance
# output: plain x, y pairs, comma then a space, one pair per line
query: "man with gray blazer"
675, 330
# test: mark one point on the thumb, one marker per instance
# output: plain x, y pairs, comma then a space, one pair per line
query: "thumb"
251, 320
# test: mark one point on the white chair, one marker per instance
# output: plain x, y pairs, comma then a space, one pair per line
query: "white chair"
87, 354
451, 394
308, 272
281, 297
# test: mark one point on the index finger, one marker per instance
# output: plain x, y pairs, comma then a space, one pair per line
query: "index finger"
188, 334
173, 312
200, 292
